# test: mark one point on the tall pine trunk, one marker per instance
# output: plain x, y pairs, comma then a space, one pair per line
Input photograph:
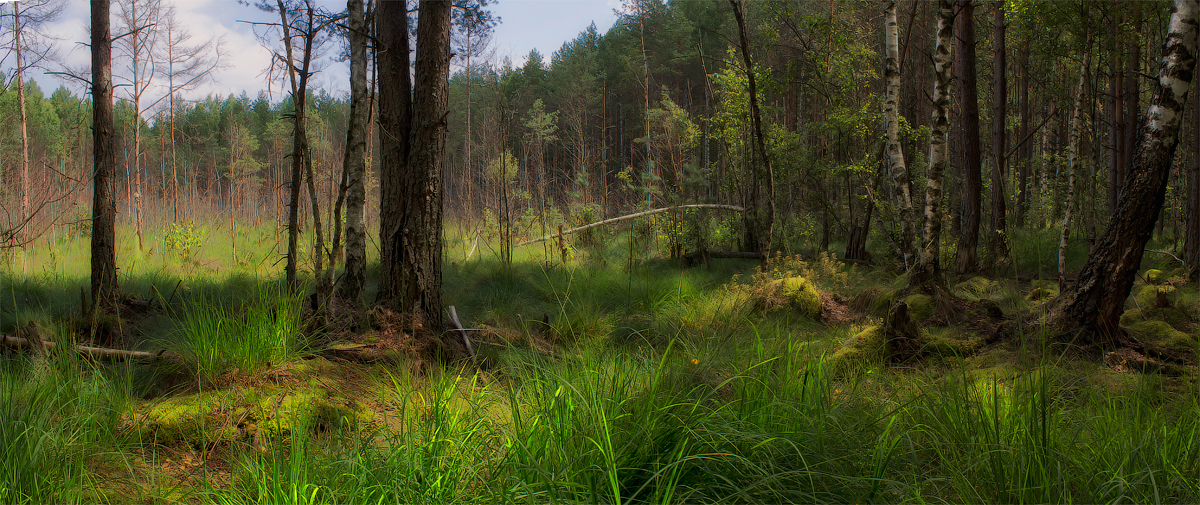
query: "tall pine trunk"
104, 184
964, 68
355, 164
395, 117
1098, 298
998, 245
929, 271
421, 205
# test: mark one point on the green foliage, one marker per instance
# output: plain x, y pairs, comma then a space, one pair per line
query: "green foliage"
245, 339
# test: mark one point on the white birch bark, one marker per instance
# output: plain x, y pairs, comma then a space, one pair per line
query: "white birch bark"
1072, 168
939, 157
896, 165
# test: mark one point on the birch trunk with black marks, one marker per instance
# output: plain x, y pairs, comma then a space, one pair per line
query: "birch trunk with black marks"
355, 164
927, 274
1072, 169
891, 116
1098, 298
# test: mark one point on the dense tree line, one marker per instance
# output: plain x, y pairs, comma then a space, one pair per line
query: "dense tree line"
775, 106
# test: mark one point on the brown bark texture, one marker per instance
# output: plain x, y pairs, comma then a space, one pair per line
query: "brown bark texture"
104, 184
1098, 298
964, 70
395, 116
998, 244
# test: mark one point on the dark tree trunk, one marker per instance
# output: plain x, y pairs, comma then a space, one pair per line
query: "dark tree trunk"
1192, 220
354, 166
1116, 167
395, 117
765, 173
999, 246
972, 185
104, 195
1025, 153
1098, 297
418, 241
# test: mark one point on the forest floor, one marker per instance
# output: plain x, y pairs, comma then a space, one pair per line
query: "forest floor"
614, 377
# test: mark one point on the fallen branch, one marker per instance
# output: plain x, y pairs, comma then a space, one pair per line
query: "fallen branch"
651, 212
463, 333
95, 352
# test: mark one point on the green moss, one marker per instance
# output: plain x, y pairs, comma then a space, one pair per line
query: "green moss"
1147, 296
950, 342
312, 409
920, 307
1039, 293
802, 295
183, 419
867, 346
1154, 276
1161, 334
978, 286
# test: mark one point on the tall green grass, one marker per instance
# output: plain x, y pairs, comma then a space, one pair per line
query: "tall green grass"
263, 331
57, 416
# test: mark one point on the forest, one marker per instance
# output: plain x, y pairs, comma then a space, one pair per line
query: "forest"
725, 251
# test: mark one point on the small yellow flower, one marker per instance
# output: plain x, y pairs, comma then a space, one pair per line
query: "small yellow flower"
695, 361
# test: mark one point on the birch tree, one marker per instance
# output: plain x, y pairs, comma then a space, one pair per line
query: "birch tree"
1098, 297
891, 113
1072, 169
355, 163
927, 273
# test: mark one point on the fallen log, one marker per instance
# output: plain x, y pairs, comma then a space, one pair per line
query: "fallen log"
95, 352
651, 212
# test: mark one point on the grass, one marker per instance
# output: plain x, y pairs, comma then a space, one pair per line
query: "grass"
611, 379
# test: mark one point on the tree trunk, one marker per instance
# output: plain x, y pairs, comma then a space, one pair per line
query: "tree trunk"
998, 243
964, 67
1098, 298
891, 114
927, 275
104, 190
298, 99
24, 123
759, 142
1072, 168
395, 117
1025, 154
355, 165
418, 239
1191, 246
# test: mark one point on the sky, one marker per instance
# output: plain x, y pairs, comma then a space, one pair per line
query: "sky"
525, 25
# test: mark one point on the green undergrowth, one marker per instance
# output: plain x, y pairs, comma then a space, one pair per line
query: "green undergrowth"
616, 376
